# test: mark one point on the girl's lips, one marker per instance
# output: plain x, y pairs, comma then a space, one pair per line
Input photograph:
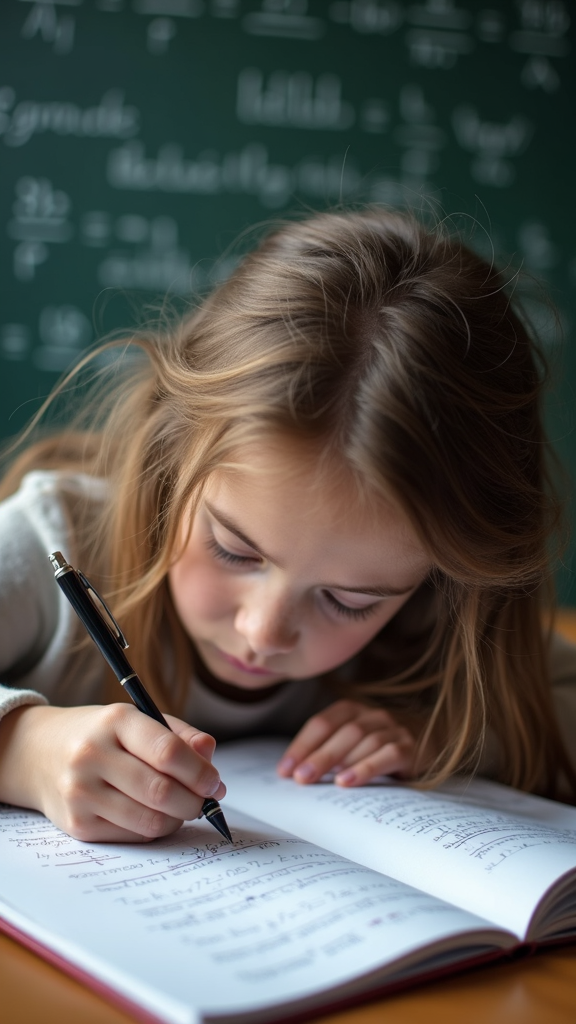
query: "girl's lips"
250, 669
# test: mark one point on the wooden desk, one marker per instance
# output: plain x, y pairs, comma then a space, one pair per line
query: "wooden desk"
540, 989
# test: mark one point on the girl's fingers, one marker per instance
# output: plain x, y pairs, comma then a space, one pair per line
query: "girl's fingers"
168, 753
340, 747
330, 753
318, 729
395, 758
201, 742
102, 831
154, 790
129, 770
112, 773
312, 735
374, 742
357, 741
112, 816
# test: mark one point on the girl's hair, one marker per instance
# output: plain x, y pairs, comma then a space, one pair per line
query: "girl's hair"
394, 348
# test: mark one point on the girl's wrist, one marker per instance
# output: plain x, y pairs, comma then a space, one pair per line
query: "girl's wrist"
20, 755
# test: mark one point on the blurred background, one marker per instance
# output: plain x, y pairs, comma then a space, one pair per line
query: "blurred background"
140, 138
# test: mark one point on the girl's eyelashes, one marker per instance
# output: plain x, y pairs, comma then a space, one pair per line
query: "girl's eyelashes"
228, 556
223, 555
346, 610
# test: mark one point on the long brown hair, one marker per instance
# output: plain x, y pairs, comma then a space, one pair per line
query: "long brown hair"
395, 348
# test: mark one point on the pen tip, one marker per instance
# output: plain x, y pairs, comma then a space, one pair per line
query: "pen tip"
219, 822
213, 813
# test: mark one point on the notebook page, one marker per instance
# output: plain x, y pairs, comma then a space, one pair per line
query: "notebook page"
190, 924
484, 847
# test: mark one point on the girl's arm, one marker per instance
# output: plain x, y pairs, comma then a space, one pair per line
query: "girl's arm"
106, 774
100, 773
354, 740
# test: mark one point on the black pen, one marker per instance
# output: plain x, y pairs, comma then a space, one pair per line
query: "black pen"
112, 643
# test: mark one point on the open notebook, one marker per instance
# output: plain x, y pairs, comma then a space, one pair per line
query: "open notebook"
327, 894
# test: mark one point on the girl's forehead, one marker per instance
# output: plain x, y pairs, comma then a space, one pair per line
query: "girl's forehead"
279, 469
287, 478
315, 523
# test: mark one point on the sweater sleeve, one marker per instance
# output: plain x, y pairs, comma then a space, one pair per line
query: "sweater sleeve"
32, 629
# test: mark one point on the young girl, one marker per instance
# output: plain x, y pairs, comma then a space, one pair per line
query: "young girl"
319, 507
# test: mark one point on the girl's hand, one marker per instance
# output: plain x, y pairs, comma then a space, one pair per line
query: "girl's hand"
106, 774
355, 741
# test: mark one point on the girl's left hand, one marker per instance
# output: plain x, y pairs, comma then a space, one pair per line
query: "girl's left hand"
354, 740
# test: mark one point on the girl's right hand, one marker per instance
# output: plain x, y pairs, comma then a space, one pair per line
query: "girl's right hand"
106, 774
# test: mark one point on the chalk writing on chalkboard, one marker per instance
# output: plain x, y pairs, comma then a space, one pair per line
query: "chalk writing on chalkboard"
40, 217
15, 342
110, 118
248, 171
64, 331
419, 139
293, 100
492, 143
288, 19
53, 28
159, 264
378, 17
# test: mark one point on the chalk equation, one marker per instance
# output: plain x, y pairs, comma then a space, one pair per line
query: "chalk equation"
436, 34
121, 182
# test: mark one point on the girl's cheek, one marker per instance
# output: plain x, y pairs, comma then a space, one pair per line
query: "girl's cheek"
336, 646
330, 649
199, 592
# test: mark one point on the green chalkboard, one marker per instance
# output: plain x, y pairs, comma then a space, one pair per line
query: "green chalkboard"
139, 138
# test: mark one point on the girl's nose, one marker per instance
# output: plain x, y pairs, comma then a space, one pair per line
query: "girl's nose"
267, 628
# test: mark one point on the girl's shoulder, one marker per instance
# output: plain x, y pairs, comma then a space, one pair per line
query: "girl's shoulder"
45, 510
53, 484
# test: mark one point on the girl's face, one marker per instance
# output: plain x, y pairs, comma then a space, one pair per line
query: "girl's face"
285, 574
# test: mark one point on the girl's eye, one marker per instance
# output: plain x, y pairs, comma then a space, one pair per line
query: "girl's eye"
344, 609
228, 556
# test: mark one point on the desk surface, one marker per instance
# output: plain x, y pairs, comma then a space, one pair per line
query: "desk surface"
540, 989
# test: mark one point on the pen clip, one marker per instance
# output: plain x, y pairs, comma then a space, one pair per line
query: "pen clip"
119, 635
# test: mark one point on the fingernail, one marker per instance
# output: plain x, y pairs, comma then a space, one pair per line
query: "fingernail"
286, 765
305, 772
346, 778
210, 791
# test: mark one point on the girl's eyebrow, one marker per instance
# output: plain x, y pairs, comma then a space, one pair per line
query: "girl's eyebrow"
230, 525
